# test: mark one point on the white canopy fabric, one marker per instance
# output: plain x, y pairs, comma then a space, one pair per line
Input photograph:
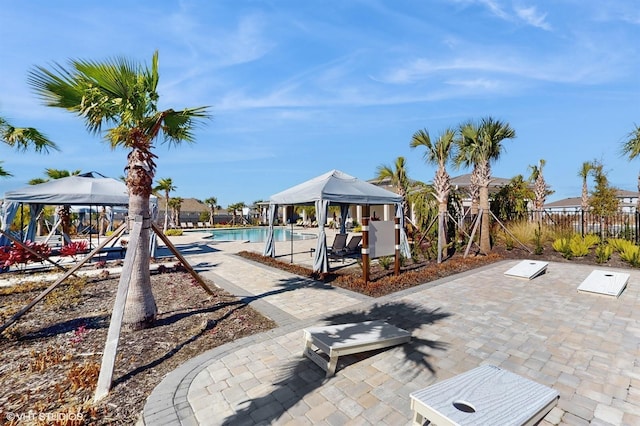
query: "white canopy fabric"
86, 189
334, 187
74, 190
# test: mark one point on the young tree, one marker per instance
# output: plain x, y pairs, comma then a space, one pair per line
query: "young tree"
479, 145
631, 149
438, 152
23, 138
167, 186
122, 94
604, 201
585, 170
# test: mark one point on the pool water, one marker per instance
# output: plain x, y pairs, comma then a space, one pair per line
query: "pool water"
257, 235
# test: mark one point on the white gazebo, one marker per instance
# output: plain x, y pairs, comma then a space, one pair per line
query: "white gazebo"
88, 189
337, 188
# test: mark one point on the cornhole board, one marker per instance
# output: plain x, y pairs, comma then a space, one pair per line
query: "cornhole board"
528, 269
346, 339
486, 395
607, 283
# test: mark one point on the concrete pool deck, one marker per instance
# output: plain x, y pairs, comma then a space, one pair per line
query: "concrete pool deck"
585, 346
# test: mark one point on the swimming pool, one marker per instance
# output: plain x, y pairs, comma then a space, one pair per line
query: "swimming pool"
256, 235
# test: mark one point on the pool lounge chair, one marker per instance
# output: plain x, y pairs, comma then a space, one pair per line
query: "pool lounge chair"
351, 249
339, 243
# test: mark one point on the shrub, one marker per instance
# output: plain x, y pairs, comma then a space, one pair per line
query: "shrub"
578, 246
561, 245
74, 248
619, 245
173, 232
385, 262
537, 239
603, 253
591, 240
631, 254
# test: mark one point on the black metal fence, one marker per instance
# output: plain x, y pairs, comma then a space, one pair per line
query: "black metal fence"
621, 225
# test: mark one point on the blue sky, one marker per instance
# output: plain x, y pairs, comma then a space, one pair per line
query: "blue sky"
298, 88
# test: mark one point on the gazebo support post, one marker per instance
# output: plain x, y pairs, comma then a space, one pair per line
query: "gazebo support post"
365, 243
396, 269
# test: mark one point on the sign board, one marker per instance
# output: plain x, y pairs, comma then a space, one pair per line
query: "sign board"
382, 238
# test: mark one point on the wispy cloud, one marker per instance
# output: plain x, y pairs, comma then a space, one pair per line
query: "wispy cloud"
511, 12
532, 17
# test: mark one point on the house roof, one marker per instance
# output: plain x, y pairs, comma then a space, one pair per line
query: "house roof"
576, 202
464, 181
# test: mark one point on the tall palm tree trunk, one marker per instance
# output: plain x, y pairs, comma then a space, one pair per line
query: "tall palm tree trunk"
140, 307
442, 229
166, 212
485, 224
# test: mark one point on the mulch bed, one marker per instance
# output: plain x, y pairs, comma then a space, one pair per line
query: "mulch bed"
50, 358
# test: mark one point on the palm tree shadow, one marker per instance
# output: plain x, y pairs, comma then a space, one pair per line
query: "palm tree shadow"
302, 376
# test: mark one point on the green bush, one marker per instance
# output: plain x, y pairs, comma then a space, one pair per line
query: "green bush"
578, 246
619, 245
603, 253
385, 262
173, 232
561, 245
591, 240
631, 254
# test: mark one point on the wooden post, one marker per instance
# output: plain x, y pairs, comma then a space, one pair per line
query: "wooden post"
365, 243
182, 260
473, 233
67, 274
396, 269
111, 345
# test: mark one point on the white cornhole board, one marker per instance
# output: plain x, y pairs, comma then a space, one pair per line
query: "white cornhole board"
528, 269
347, 339
486, 395
607, 283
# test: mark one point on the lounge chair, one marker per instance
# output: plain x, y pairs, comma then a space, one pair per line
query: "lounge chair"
339, 243
351, 249
353, 245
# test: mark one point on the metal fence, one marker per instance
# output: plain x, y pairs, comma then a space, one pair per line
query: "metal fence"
621, 225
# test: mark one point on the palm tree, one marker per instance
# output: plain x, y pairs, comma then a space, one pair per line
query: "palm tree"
123, 94
233, 207
540, 188
212, 203
23, 138
631, 149
175, 204
399, 179
479, 145
167, 186
438, 152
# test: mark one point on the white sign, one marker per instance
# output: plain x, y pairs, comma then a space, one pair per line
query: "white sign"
382, 238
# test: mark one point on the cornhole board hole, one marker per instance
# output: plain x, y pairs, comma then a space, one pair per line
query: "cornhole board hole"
607, 283
486, 395
346, 339
528, 269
